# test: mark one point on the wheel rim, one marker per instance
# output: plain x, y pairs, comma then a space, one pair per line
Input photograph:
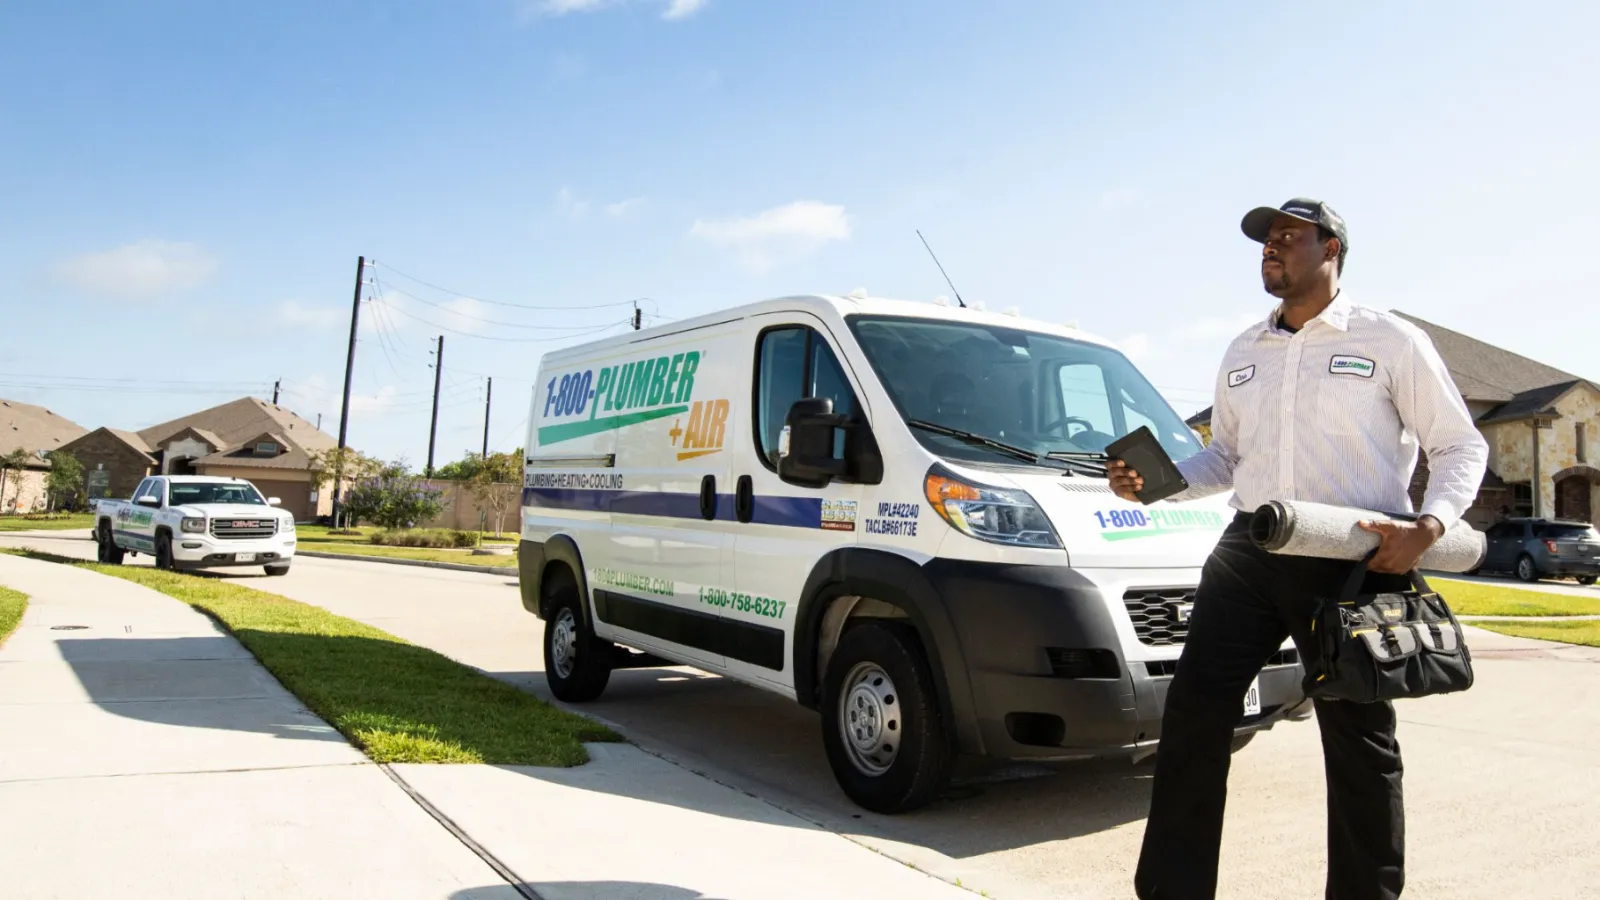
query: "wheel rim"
869, 719
564, 643
1525, 568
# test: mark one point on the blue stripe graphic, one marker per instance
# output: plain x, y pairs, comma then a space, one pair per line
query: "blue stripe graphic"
794, 512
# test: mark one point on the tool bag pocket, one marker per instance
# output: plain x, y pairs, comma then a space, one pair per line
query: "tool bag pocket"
1387, 646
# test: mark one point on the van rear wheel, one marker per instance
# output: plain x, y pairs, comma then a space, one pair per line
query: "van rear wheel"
577, 665
885, 738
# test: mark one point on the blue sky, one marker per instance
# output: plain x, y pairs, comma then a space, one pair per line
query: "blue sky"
185, 186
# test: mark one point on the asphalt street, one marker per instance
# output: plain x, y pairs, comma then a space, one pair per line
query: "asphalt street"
1502, 781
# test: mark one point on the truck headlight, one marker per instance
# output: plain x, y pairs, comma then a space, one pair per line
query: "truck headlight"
997, 515
193, 526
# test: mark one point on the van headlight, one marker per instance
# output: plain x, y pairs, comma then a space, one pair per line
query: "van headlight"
998, 515
193, 525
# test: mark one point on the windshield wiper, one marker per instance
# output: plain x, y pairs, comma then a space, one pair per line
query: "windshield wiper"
973, 437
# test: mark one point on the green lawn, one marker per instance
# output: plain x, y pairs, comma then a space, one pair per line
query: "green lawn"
397, 702
12, 606
1580, 631
46, 522
1469, 598
464, 557
319, 534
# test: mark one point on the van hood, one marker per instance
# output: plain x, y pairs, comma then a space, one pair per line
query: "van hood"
1102, 531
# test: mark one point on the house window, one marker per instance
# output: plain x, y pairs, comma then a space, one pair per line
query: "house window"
267, 448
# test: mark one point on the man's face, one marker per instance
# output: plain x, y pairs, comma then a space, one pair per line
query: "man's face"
1291, 256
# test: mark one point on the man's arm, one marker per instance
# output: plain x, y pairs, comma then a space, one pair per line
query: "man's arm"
1211, 470
1430, 404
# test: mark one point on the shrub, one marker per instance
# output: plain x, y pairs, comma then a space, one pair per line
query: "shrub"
394, 499
434, 538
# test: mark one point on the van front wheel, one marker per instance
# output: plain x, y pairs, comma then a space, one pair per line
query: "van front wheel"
882, 730
576, 665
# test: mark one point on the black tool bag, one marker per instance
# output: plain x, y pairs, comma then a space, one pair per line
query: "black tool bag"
1386, 646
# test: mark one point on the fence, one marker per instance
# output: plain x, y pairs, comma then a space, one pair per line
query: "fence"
463, 510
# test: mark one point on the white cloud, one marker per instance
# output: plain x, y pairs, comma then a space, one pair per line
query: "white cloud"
315, 394
624, 208
570, 205
461, 314
779, 234
310, 316
1136, 347
140, 270
683, 9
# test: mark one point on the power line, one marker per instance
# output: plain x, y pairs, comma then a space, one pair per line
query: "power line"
499, 302
482, 337
457, 312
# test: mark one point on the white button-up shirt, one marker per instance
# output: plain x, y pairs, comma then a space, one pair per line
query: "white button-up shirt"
1335, 413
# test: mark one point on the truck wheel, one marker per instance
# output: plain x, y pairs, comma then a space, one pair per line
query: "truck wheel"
109, 552
1526, 570
576, 663
1586, 579
881, 726
164, 553
277, 571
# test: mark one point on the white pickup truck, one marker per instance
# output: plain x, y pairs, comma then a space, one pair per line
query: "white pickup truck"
196, 522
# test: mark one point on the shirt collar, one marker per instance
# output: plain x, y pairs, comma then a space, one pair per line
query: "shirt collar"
1337, 315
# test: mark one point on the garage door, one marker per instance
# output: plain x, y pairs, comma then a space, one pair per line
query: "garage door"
296, 496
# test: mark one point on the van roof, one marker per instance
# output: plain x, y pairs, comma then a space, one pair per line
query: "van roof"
825, 304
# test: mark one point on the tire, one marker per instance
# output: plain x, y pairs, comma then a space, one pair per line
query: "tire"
109, 552
164, 559
1586, 580
1241, 741
1526, 569
577, 665
277, 571
884, 734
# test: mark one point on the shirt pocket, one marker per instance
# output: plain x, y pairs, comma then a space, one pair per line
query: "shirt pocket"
1347, 404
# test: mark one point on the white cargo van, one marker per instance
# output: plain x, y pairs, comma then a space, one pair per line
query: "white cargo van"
894, 513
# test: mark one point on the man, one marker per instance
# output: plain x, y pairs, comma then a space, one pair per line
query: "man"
1324, 401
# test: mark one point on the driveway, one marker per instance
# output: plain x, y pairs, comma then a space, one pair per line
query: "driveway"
1501, 783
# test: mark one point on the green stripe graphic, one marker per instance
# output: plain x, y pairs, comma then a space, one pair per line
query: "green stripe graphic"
555, 434
1150, 532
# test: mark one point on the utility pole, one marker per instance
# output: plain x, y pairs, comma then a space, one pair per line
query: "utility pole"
319, 421
438, 371
276, 386
349, 371
488, 394
635, 315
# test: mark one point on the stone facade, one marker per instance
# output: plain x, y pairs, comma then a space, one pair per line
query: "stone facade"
1511, 450
24, 492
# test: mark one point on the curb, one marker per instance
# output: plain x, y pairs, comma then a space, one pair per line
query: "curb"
419, 563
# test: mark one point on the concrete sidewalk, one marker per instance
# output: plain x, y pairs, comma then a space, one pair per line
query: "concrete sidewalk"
148, 754
143, 753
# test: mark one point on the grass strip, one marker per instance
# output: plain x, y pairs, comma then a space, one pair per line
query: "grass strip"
12, 605
46, 523
397, 702
1569, 631
464, 557
1470, 598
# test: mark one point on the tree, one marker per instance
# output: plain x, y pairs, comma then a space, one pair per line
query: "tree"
342, 466
66, 479
12, 467
393, 498
492, 484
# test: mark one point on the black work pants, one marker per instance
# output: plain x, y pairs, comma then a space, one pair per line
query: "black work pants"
1247, 602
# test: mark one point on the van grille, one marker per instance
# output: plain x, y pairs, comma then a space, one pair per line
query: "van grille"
243, 528
1155, 614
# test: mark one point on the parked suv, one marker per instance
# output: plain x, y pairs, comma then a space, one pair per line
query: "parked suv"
1543, 548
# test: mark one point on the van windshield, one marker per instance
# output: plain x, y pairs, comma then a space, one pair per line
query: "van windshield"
1034, 391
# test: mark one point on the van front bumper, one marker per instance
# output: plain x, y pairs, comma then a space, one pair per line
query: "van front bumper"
1049, 676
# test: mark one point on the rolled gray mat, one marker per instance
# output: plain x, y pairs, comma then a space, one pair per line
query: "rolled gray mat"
1299, 528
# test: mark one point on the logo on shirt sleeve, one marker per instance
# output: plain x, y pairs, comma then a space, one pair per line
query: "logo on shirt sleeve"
1240, 376
1352, 365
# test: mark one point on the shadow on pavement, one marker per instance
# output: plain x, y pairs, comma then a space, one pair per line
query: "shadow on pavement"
588, 890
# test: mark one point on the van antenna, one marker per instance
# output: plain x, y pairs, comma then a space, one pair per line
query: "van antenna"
942, 271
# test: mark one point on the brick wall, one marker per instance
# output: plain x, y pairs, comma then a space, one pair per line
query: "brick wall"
124, 465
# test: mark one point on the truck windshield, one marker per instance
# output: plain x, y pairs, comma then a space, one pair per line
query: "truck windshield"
185, 494
1046, 394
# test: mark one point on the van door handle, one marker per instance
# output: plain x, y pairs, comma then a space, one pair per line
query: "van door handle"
744, 499
708, 497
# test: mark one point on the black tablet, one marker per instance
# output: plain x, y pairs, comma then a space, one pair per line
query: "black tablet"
1145, 455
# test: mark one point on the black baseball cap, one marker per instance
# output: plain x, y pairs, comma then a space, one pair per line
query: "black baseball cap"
1257, 222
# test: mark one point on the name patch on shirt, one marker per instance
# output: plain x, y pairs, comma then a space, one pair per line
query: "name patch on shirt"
1240, 376
1352, 365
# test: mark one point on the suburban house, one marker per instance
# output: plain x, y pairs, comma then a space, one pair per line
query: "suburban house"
35, 431
246, 438
1540, 424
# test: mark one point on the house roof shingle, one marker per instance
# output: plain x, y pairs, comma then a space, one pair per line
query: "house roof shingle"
33, 428
238, 421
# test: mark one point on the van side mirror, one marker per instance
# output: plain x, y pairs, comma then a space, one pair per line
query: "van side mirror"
805, 455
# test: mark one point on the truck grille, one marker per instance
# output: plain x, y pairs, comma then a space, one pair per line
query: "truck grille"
243, 528
1155, 614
